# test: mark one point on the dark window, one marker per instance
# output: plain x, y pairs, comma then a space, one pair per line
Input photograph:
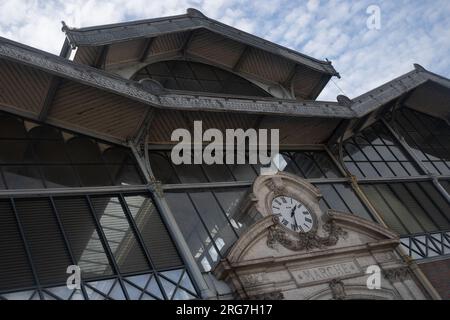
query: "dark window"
85, 243
311, 164
48, 251
210, 221
154, 233
373, 153
341, 197
121, 238
15, 269
39, 156
429, 138
199, 77
85, 230
446, 185
410, 207
306, 164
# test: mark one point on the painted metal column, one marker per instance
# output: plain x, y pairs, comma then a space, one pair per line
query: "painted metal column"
169, 220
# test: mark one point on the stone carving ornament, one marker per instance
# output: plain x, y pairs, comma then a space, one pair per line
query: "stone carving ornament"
304, 241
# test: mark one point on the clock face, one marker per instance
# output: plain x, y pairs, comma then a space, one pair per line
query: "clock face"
292, 214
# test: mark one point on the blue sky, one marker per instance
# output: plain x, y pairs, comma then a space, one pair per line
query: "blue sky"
411, 31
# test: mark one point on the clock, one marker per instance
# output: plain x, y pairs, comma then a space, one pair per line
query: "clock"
292, 214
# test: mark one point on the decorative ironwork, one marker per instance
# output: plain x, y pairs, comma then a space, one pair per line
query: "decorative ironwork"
427, 245
166, 279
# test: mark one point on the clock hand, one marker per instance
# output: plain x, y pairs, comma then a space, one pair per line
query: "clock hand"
293, 211
295, 219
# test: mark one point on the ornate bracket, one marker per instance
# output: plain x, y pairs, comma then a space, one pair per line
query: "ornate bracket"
337, 289
157, 187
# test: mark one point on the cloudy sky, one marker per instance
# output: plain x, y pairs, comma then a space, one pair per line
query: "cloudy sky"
410, 31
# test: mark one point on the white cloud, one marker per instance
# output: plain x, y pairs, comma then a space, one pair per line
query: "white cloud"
411, 31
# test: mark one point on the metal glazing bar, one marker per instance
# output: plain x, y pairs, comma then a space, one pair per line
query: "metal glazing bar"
141, 242
27, 249
108, 251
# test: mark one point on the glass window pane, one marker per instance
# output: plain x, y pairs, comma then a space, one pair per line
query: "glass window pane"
50, 151
242, 172
383, 207
428, 136
16, 151
307, 165
332, 198
195, 76
231, 201
410, 201
213, 217
121, 238
218, 173
84, 150
154, 233
22, 177
410, 207
93, 175
48, 250
85, 243
352, 201
377, 155
59, 176
15, 270
341, 197
125, 174
431, 201
162, 168
199, 242
190, 173
11, 127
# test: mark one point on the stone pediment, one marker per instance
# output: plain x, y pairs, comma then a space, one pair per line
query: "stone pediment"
268, 241
330, 260
265, 242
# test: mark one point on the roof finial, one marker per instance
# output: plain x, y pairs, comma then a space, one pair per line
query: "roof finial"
64, 28
418, 67
344, 100
194, 13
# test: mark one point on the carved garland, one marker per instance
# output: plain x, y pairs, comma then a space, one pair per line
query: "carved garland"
304, 241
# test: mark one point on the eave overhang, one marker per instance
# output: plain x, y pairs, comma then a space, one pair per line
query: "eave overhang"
93, 77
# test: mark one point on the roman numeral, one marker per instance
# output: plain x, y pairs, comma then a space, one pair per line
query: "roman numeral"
284, 200
308, 220
285, 222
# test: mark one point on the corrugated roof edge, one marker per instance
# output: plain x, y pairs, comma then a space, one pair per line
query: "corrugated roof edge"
103, 80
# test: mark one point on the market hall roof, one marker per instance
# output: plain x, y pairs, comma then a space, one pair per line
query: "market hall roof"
53, 89
194, 36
